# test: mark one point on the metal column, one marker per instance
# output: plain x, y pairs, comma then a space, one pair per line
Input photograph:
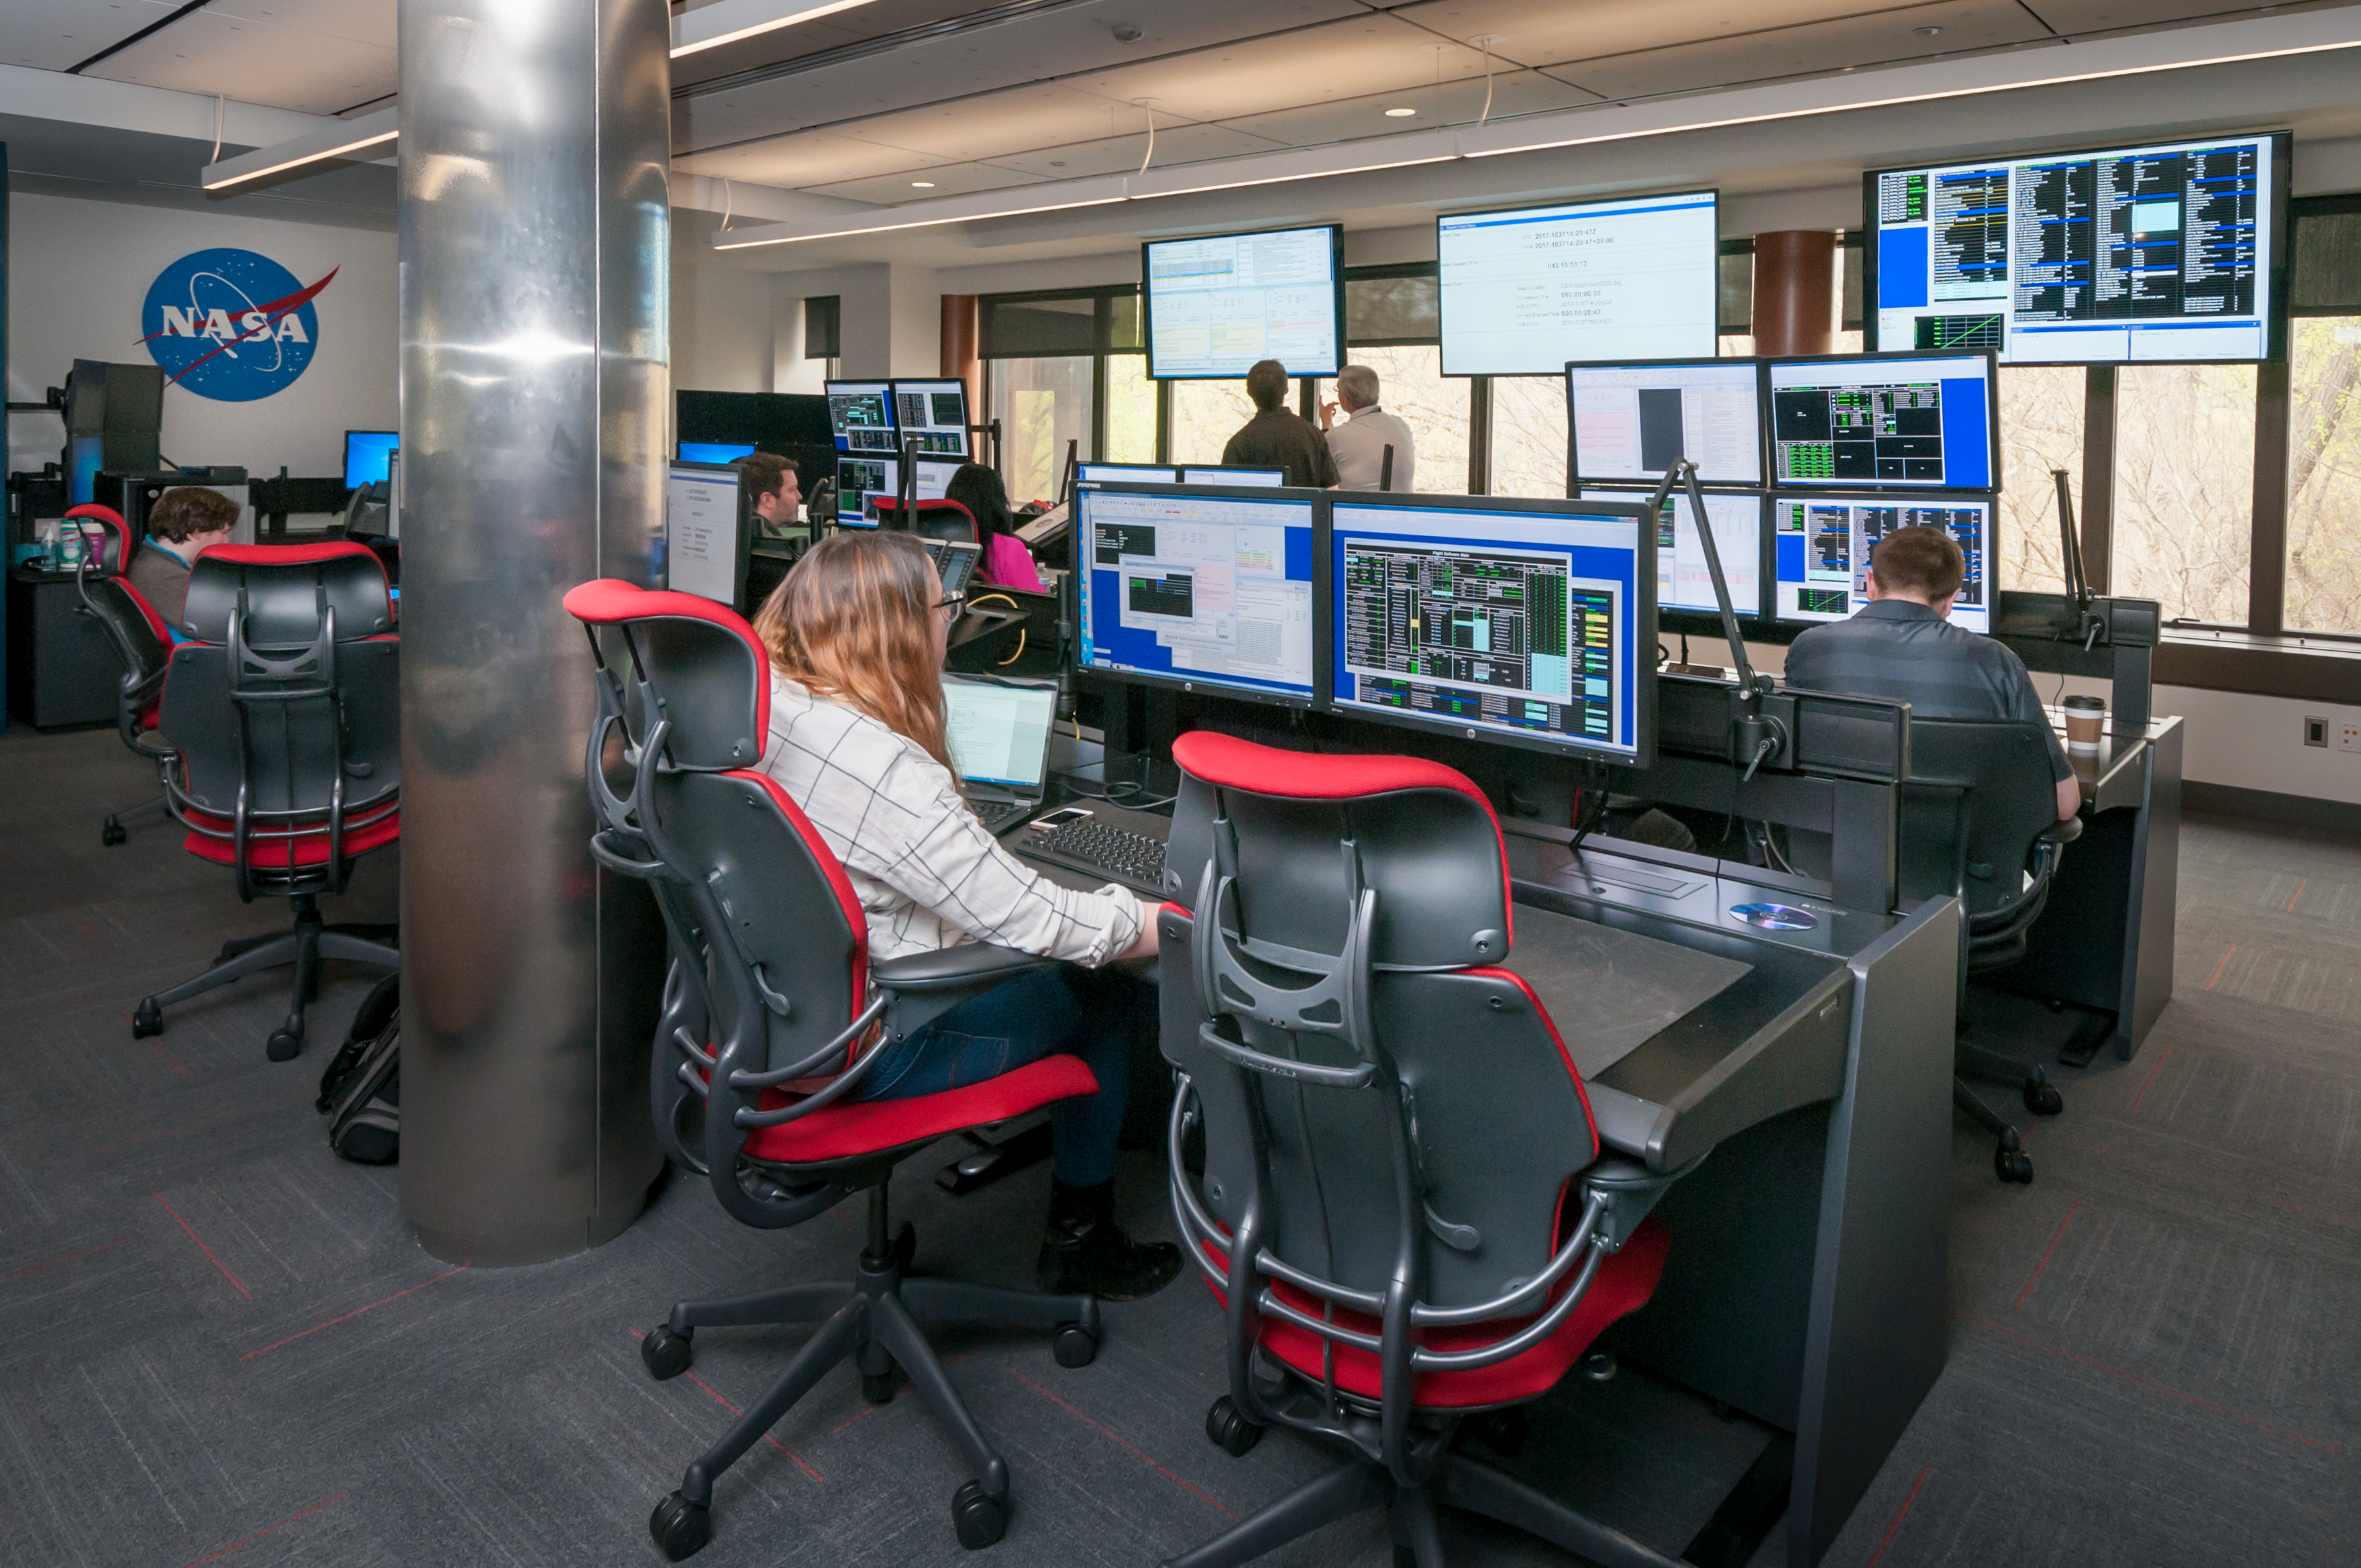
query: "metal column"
534, 341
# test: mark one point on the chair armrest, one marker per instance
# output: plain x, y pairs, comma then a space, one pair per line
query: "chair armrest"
2064, 832
967, 966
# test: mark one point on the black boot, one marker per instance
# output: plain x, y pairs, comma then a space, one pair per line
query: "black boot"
1085, 1253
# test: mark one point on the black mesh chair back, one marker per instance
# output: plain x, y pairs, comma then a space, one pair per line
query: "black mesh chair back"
1979, 820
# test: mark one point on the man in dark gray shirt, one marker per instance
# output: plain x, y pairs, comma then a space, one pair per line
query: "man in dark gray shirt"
1903, 645
1277, 437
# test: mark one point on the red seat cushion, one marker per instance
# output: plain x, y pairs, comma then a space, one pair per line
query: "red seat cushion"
843, 1131
308, 849
1622, 1285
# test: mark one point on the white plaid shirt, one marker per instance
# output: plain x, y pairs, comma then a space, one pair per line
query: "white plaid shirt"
930, 875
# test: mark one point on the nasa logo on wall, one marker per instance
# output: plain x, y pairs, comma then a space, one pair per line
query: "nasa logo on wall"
232, 325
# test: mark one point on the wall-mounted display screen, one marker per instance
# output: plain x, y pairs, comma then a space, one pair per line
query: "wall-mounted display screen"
1630, 423
2173, 251
1907, 420
1821, 547
1526, 290
1217, 304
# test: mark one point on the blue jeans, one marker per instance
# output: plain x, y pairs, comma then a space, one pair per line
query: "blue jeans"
1083, 1014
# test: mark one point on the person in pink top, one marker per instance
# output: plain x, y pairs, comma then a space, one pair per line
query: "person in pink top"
1005, 563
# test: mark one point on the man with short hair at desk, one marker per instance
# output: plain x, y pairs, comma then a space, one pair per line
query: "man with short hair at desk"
1902, 645
1278, 437
1359, 445
778, 492
186, 521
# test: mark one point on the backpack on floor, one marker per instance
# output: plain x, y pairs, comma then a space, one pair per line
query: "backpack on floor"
361, 1092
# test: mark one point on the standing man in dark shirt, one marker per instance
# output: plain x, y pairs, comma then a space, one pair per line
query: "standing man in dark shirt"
1277, 437
1903, 645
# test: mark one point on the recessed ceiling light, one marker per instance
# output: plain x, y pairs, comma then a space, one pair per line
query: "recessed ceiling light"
922, 184
1399, 113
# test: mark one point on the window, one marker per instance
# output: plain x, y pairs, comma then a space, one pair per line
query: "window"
1042, 405
2041, 431
1529, 436
2323, 483
1130, 411
1206, 414
1411, 388
2185, 488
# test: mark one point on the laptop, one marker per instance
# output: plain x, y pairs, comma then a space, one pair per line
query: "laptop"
999, 735
954, 561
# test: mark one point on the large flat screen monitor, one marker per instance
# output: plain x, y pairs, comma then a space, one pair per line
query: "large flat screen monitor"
859, 482
365, 454
1210, 589
1217, 305
1821, 547
1126, 474
934, 413
1523, 292
933, 476
713, 451
1683, 581
703, 552
1267, 478
1510, 621
861, 413
1629, 423
2173, 251
1921, 422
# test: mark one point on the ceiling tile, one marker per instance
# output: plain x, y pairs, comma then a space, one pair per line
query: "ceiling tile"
50, 35
948, 179
362, 21
1457, 104
2103, 16
859, 25
1081, 37
258, 63
1374, 53
1122, 155
1545, 32
801, 162
857, 93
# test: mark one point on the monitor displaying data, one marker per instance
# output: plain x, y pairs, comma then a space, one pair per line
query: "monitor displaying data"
2175, 251
1684, 580
862, 415
1126, 474
1630, 423
1516, 620
860, 481
366, 452
1264, 478
933, 476
713, 451
1524, 292
701, 546
1924, 421
1821, 547
1213, 591
932, 413
1218, 304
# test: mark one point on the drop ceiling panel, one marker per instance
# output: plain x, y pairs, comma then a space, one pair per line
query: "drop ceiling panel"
1081, 37
50, 35
363, 21
1457, 103
1968, 25
948, 179
861, 23
1547, 32
1122, 155
854, 91
801, 162
257, 61
2102, 16
1340, 61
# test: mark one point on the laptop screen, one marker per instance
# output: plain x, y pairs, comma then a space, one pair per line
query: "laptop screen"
1000, 735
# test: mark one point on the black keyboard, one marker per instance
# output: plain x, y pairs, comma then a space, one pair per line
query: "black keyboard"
1126, 856
997, 813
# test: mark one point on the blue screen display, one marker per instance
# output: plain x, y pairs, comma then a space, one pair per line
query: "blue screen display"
715, 451
365, 454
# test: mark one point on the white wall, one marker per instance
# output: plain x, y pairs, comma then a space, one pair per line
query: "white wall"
722, 315
79, 273
2257, 742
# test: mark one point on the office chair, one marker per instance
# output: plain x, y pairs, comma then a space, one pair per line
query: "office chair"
773, 1013
139, 639
1979, 822
1403, 1212
945, 519
284, 711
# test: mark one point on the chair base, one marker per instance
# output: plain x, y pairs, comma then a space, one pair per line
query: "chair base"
872, 1322
1413, 1512
113, 832
311, 940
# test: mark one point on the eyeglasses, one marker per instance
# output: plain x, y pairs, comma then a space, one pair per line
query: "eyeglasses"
953, 603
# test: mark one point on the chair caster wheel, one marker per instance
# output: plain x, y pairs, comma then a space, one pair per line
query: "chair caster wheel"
877, 1387
285, 1044
980, 1517
667, 1351
1598, 1365
2011, 1163
146, 1019
1074, 1346
1227, 1429
680, 1528
113, 834
2042, 1098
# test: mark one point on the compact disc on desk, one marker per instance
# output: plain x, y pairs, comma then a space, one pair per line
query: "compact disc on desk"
1776, 916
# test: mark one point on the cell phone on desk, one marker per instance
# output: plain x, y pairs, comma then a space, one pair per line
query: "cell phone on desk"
1060, 818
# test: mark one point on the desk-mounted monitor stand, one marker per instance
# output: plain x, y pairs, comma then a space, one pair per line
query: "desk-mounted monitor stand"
1755, 736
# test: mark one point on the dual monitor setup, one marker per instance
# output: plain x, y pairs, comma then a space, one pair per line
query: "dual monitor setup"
880, 425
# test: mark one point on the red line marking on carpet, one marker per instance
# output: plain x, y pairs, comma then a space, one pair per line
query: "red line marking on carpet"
206, 1121
355, 1312
1913, 1498
158, 1046
1177, 1480
2044, 1256
2151, 1080
207, 1250
57, 1262
2297, 893
734, 1410
86, 928
266, 1529
2146, 1383
2223, 965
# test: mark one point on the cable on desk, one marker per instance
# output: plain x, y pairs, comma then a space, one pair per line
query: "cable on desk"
978, 598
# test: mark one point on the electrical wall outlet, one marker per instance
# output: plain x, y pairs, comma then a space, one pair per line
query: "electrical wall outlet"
2315, 731
2348, 736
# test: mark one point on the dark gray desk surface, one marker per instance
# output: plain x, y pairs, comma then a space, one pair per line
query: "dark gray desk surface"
1610, 991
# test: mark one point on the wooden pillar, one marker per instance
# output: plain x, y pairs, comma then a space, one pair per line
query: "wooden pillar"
1795, 291
962, 326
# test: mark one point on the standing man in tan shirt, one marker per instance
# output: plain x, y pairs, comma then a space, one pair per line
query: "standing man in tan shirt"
1358, 445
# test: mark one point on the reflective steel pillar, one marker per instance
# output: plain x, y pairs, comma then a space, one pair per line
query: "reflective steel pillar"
534, 337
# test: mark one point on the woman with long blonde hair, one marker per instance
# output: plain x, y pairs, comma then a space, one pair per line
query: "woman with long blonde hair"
856, 635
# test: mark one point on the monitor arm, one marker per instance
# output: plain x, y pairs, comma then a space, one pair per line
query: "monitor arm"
2088, 625
1755, 736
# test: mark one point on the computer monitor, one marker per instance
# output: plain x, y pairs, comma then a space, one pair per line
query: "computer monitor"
1522, 621
705, 554
1741, 527
713, 451
1209, 590
1126, 474
1218, 303
933, 476
2169, 251
365, 454
1630, 423
1523, 292
1214, 473
1821, 547
934, 413
1908, 420
859, 482
861, 413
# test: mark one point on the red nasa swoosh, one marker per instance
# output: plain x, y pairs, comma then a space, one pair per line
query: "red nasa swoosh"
272, 314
